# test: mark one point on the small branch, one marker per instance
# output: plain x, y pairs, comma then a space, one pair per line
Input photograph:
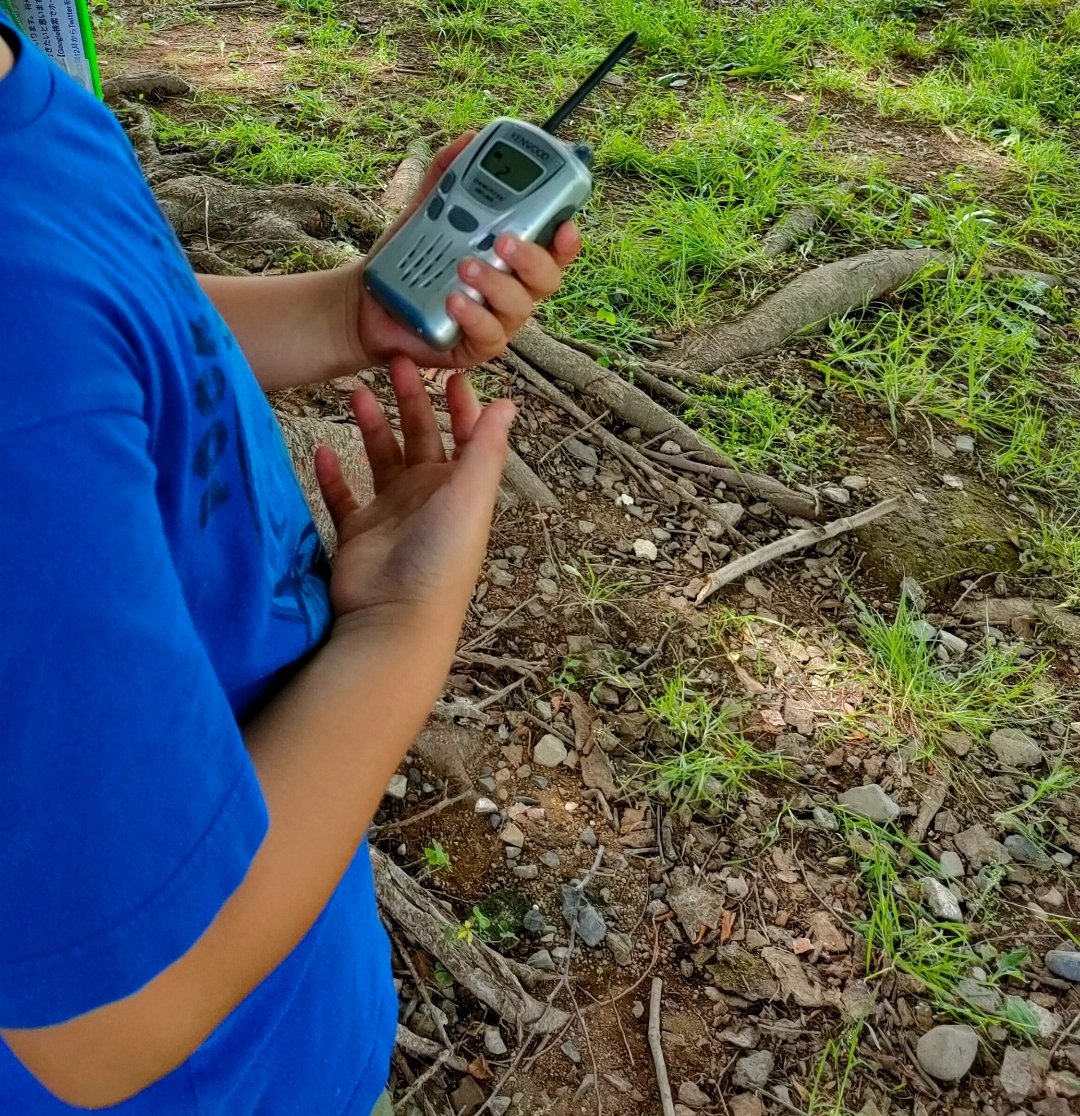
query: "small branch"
425, 1048
808, 536
438, 808
662, 1083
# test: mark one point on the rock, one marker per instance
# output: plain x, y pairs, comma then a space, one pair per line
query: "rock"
549, 751
584, 453
588, 837
467, 1097
952, 643
645, 550
982, 996
946, 823
498, 1106
800, 716
1064, 963
941, 901
1046, 1023
671, 448
743, 973
979, 848
695, 903
826, 819
737, 887
951, 480
870, 802
753, 1071
533, 921
964, 443
526, 871
511, 834
692, 1096
835, 494
947, 1052
950, 865
855, 484
745, 1104
941, 450
512, 852
542, 961
398, 786
582, 916
596, 771
923, 630
1023, 850
727, 513
797, 981
1021, 1073
484, 806
493, 1041
621, 947
825, 933
572, 1052
1014, 748
549, 858
959, 743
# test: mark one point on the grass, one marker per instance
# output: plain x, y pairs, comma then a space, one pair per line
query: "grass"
1051, 551
596, 590
919, 700
710, 762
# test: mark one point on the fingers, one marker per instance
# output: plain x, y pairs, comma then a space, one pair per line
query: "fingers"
481, 462
423, 442
446, 155
508, 298
464, 409
534, 267
336, 493
483, 332
383, 452
566, 245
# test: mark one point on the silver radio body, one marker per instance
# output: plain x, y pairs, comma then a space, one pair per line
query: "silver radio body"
512, 177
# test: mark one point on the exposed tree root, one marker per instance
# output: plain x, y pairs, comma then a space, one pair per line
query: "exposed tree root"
792, 228
1045, 278
475, 966
815, 296
407, 178
153, 86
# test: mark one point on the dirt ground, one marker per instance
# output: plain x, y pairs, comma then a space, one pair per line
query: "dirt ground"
755, 916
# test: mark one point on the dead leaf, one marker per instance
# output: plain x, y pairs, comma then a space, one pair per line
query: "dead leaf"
596, 771
695, 903
727, 926
479, 1069
796, 980
802, 945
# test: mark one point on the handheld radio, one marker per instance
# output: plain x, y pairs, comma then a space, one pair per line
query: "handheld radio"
512, 177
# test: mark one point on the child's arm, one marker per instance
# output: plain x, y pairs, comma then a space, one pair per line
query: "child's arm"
327, 745
297, 329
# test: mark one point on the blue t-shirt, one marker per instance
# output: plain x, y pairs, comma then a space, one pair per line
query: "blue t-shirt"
162, 576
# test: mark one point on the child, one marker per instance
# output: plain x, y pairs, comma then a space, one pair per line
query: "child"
198, 716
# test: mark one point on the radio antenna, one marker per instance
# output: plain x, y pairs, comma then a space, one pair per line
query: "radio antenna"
589, 84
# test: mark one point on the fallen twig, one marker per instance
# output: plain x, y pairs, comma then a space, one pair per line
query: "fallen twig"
934, 794
666, 1100
421, 1081
808, 536
412, 819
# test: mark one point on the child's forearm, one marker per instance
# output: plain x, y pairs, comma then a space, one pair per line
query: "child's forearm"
324, 751
293, 329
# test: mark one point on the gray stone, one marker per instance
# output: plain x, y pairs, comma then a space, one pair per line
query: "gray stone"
923, 630
870, 802
753, 1071
588, 836
952, 643
584, 453
964, 443
542, 961
485, 806
979, 848
645, 550
1064, 963
826, 819
693, 1096
499, 1106
526, 871
1014, 748
855, 484
493, 1041
512, 852
467, 1097
398, 786
549, 858
572, 1052
982, 996
534, 922
621, 947
950, 865
511, 834
947, 1052
946, 823
959, 743
941, 901
746, 1104
1021, 1073
1025, 851
582, 916
835, 494
550, 751
727, 513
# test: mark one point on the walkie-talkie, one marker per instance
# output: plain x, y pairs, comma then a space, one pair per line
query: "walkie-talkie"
513, 177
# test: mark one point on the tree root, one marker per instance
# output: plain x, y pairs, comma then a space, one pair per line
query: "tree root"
792, 228
479, 969
815, 296
635, 408
406, 179
1045, 278
153, 86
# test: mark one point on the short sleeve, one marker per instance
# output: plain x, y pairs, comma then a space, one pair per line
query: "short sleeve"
129, 808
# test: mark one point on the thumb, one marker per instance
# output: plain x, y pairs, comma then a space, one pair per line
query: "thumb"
438, 165
480, 465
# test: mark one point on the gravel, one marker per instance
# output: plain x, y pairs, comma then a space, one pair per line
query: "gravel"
941, 901
550, 751
870, 802
1014, 748
1064, 963
753, 1071
947, 1052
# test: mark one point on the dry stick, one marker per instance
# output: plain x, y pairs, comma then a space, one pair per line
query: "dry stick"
422, 1080
657, 1049
796, 541
425, 1048
421, 987
438, 808
932, 802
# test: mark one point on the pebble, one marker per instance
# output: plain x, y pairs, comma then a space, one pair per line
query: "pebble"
1021, 1073
835, 494
870, 802
947, 1052
645, 550
542, 961
1014, 748
939, 449
398, 786
826, 819
485, 806
952, 643
941, 901
493, 1041
549, 858
951, 865
923, 630
511, 834
534, 922
499, 1106
549, 751
727, 513
670, 447
753, 1071
584, 453
693, 1096
1025, 851
512, 852
978, 994
855, 484
979, 848
1064, 963
588, 837
964, 443
572, 1052
746, 1104
951, 480
621, 947
959, 743
526, 871
582, 916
